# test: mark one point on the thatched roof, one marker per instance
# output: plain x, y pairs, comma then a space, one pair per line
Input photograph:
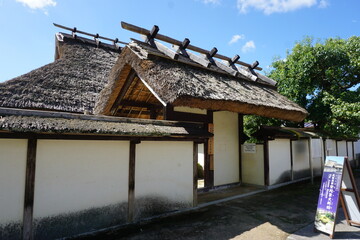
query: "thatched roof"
183, 82
33, 121
71, 83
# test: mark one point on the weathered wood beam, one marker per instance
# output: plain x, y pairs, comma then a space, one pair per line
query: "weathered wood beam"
74, 30
170, 40
162, 48
29, 189
225, 68
246, 74
124, 89
96, 137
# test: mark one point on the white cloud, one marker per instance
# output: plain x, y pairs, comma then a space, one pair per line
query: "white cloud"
248, 46
215, 2
38, 4
277, 6
236, 38
323, 3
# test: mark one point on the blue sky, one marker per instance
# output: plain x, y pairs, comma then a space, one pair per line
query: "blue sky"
254, 29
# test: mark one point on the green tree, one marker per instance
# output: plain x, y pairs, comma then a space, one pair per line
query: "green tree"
324, 78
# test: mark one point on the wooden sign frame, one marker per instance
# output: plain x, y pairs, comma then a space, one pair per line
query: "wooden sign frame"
346, 194
349, 196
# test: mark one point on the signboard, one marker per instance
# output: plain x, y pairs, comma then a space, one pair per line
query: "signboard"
337, 185
329, 194
249, 148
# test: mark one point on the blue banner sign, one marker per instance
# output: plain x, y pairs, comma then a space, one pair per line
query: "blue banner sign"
329, 194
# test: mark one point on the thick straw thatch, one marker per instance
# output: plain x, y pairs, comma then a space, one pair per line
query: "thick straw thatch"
71, 83
182, 83
32, 121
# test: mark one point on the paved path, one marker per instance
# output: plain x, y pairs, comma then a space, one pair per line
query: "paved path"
270, 215
342, 231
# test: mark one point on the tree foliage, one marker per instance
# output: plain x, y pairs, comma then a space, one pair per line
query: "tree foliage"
324, 78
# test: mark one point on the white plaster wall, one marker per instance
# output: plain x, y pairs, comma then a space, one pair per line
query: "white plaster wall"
279, 160
330, 145
12, 179
252, 168
357, 146
350, 150
301, 164
342, 148
317, 155
226, 148
190, 110
164, 169
73, 175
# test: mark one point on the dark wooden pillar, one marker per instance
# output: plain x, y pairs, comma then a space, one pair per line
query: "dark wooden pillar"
241, 133
131, 191
336, 145
266, 162
291, 160
195, 175
29, 189
209, 153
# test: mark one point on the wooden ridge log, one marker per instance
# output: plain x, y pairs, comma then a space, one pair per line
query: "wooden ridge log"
170, 40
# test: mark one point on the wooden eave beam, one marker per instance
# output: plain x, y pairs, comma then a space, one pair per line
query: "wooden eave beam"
170, 40
123, 91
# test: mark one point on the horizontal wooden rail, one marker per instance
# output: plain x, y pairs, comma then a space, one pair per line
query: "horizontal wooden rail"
89, 34
170, 40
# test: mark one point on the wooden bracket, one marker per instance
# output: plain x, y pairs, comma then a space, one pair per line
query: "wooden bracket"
73, 33
183, 46
150, 37
211, 53
254, 65
96, 39
233, 60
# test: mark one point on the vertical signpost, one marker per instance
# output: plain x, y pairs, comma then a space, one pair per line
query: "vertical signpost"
334, 187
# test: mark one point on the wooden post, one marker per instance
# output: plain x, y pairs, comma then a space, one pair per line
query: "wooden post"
209, 161
337, 150
195, 175
266, 162
29, 189
291, 161
241, 133
323, 152
131, 191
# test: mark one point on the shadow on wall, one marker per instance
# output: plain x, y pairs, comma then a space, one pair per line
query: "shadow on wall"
70, 224
11, 231
284, 177
155, 205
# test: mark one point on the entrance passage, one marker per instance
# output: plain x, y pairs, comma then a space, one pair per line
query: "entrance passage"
201, 167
